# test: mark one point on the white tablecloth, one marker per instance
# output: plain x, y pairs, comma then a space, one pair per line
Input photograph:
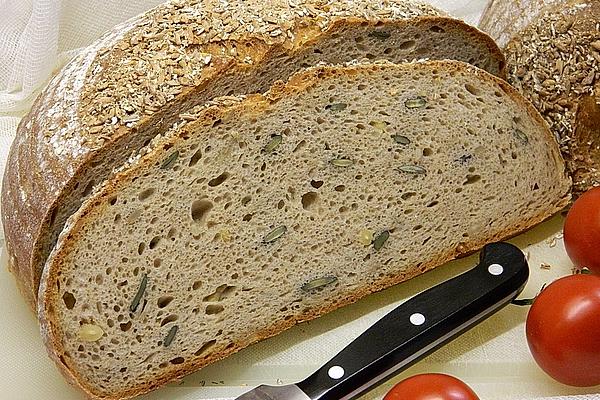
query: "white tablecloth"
36, 38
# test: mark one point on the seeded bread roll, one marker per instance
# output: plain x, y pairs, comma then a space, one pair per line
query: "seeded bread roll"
134, 83
553, 54
264, 211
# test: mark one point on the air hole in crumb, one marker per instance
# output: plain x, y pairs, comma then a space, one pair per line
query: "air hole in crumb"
205, 347
536, 187
309, 199
433, 203
427, 152
472, 89
141, 248
69, 300
407, 45
157, 262
316, 184
280, 204
113, 200
164, 301
197, 285
437, 29
219, 179
340, 188
408, 195
172, 233
126, 326
195, 158
247, 217
246, 200
513, 155
144, 195
170, 318
471, 179
222, 292
213, 309
88, 189
200, 210
154, 242
177, 360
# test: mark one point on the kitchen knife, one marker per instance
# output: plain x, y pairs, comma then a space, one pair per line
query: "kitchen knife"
413, 329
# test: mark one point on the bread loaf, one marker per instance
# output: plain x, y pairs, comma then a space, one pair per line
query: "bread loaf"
553, 54
262, 211
131, 85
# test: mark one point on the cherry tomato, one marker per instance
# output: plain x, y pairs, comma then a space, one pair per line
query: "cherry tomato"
563, 330
431, 387
582, 231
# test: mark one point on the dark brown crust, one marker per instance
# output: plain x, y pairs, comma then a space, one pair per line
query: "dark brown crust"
580, 139
252, 105
48, 180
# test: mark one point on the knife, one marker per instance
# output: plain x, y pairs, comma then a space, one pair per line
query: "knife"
413, 329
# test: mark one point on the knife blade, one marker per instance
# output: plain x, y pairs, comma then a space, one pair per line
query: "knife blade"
413, 329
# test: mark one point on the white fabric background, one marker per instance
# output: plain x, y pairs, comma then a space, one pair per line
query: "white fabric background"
37, 37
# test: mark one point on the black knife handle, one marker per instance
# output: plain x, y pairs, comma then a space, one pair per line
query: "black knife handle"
422, 324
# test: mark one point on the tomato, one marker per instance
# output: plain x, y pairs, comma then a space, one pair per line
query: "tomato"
431, 387
582, 231
563, 330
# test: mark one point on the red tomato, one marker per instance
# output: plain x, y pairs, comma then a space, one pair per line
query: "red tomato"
582, 231
563, 330
431, 387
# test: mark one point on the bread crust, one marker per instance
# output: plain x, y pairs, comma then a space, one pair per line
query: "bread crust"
558, 76
253, 105
72, 130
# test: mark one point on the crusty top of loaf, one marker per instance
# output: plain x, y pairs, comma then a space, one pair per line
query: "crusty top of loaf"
147, 61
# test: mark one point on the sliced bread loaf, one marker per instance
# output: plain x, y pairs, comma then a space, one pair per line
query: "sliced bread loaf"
133, 84
264, 211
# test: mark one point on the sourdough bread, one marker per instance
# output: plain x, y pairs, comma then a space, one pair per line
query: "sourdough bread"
553, 55
259, 212
132, 84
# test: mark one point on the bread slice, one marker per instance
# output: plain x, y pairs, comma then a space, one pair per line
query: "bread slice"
264, 211
132, 84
